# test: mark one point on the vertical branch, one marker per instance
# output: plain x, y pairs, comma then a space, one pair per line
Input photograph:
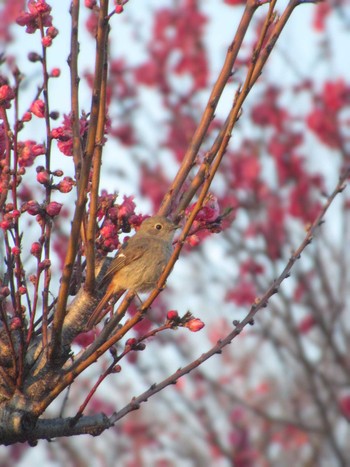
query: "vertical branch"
91, 228
83, 182
74, 83
46, 221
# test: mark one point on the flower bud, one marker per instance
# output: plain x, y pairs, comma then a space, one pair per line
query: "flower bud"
53, 208
172, 315
194, 325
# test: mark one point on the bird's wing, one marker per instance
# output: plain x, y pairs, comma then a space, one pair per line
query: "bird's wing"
126, 255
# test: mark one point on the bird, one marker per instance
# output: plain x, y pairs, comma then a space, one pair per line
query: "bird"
138, 264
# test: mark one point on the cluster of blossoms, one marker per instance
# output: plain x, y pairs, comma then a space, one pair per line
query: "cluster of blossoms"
38, 17
325, 118
208, 220
115, 218
64, 133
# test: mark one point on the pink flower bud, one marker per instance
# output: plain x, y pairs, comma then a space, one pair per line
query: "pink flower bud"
90, 4
6, 93
58, 173
15, 250
65, 185
22, 290
194, 325
16, 213
27, 116
32, 207
53, 208
5, 224
36, 249
38, 108
34, 57
55, 72
46, 41
131, 342
45, 264
119, 9
52, 31
43, 178
172, 314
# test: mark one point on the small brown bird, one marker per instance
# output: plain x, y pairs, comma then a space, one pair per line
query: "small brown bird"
139, 263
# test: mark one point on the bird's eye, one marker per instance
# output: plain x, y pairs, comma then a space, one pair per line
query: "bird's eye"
158, 226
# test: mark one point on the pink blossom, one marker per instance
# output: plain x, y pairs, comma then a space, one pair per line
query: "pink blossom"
28, 151
127, 208
38, 108
64, 134
37, 8
6, 94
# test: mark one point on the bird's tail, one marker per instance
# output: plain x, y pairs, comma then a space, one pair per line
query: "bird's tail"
100, 311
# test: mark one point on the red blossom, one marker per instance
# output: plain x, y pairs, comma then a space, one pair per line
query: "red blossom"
38, 108
6, 94
268, 112
28, 151
336, 94
64, 133
127, 208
